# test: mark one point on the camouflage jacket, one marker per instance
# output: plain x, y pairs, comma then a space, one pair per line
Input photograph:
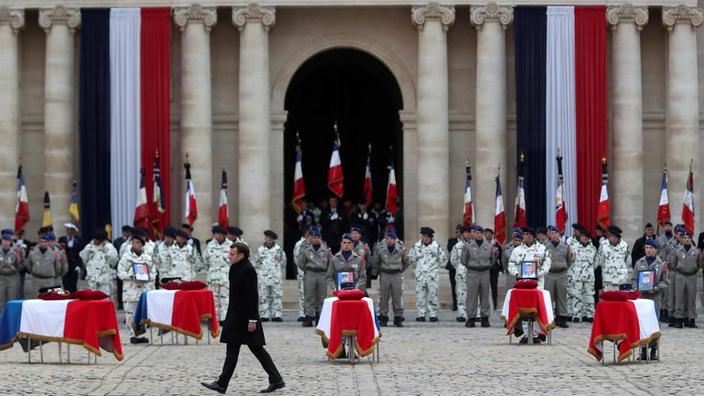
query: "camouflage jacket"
535, 252
185, 260
456, 257
614, 262
131, 289
427, 259
584, 262
270, 263
99, 261
216, 262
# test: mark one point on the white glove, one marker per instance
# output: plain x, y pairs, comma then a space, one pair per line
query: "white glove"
78, 270
365, 216
299, 218
334, 216
391, 219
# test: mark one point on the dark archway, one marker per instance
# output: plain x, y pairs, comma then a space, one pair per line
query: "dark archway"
356, 91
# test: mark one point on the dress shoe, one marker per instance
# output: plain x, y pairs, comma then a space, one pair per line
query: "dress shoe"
672, 323
301, 319
264, 319
398, 321
691, 324
460, 319
562, 323
433, 318
664, 315
214, 386
679, 323
279, 319
485, 322
542, 337
274, 386
138, 340
469, 323
420, 319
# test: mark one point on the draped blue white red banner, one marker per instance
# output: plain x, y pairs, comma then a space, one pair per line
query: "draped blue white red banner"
22, 204
688, 203
124, 111
223, 205
499, 214
561, 105
468, 209
664, 205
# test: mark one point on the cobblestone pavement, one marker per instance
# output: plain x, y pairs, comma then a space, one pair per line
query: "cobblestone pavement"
442, 358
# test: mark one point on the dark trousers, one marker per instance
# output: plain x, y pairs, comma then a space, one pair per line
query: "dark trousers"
453, 271
233, 353
70, 280
494, 283
119, 293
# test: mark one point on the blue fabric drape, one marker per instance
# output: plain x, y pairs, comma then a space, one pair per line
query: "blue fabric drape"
530, 37
94, 120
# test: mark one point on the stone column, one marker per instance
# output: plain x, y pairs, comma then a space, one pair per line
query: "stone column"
682, 101
195, 23
11, 21
433, 20
254, 174
490, 146
626, 22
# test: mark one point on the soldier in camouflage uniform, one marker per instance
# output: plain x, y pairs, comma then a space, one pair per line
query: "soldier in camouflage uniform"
185, 259
217, 267
300, 276
347, 260
516, 241
149, 245
132, 288
686, 260
270, 263
572, 293
47, 265
100, 257
583, 278
427, 256
162, 254
461, 275
614, 260
389, 262
10, 266
313, 258
667, 243
651, 262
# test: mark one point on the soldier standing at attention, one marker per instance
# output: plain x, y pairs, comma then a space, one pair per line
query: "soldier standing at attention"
363, 251
556, 279
614, 260
478, 256
184, 256
162, 254
666, 246
651, 262
135, 258
516, 241
234, 234
217, 265
583, 278
572, 292
427, 256
313, 258
10, 267
46, 265
460, 271
347, 260
389, 262
100, 257
686, 261
270, 263
300, 275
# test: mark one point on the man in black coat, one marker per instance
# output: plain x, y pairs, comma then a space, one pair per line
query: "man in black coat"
71, 243
242, 323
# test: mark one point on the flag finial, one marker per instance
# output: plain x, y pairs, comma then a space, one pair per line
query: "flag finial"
558, 153
691, 164
522, 156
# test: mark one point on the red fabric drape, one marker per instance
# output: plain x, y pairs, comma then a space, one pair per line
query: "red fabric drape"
590, 90
351, 317
615, 321
190, 307
155, 80
527, 302
93, 324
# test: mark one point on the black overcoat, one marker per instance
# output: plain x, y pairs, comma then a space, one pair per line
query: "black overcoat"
243, 306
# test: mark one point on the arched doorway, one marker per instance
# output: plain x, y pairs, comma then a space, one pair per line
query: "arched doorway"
356, 91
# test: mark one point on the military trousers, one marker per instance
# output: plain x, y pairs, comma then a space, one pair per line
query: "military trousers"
9, 289
478, 287
556, 285
300, 279
316, 287
461, 291
583, 300
427, 294
685, 296
390, 285
669, 297
270, 297
105, 287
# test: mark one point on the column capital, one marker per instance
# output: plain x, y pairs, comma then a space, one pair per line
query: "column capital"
433, 11
627, 13
681, 14
70, 17
254, 13
491, 12
195, 13
13, 17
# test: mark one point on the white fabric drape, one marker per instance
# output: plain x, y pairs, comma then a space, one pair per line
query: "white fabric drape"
560, 111
125, 114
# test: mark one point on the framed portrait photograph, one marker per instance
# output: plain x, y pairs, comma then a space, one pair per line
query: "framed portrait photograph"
529, 269
345, 280
141, 272
646, 280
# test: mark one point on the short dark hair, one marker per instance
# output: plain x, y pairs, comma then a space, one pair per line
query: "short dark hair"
242, 248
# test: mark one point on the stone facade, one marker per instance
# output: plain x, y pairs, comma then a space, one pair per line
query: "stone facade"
460, 52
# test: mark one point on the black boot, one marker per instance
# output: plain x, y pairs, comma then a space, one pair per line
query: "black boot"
308, 321
264, 319
398, 321
301, 319
562, 323
433, 318
673, 322
654, 353
485, 322
575, 320
469, 323
317, 318
460, 319
643, 354
420, 319
383, 321
664, 316
679, 323
690, 323
588, 320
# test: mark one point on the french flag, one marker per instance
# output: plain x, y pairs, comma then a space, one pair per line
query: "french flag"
299, 184
688, 203
560, 210
178, 310
22, 204
368, 181
468, 216
141, 212
191, 212
664, 207
223, 207
335, 177
499, 215
603, 212
520, 219
392, 193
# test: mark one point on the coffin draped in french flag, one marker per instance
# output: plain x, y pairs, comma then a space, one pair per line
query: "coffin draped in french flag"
92, 324
348, 318
177, 310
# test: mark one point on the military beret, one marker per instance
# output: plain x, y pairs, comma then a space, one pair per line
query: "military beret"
101, 235
182, 233
553, 228
271, 234
476, 227
6, 237
8, 231
541, 230
686, 233
517, 233
391, 234
529, 230
577, 226
187, 225
680, 228
141, 231
170, 232
314, 231
649, 225
467, 228
347, 237
235, 231
218, 230
615, 230
427, 231
668, 222
50, 236
488, 230
126, 228
44, 236
459, 228
586, 233
356, 228
651, 242
137, 238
